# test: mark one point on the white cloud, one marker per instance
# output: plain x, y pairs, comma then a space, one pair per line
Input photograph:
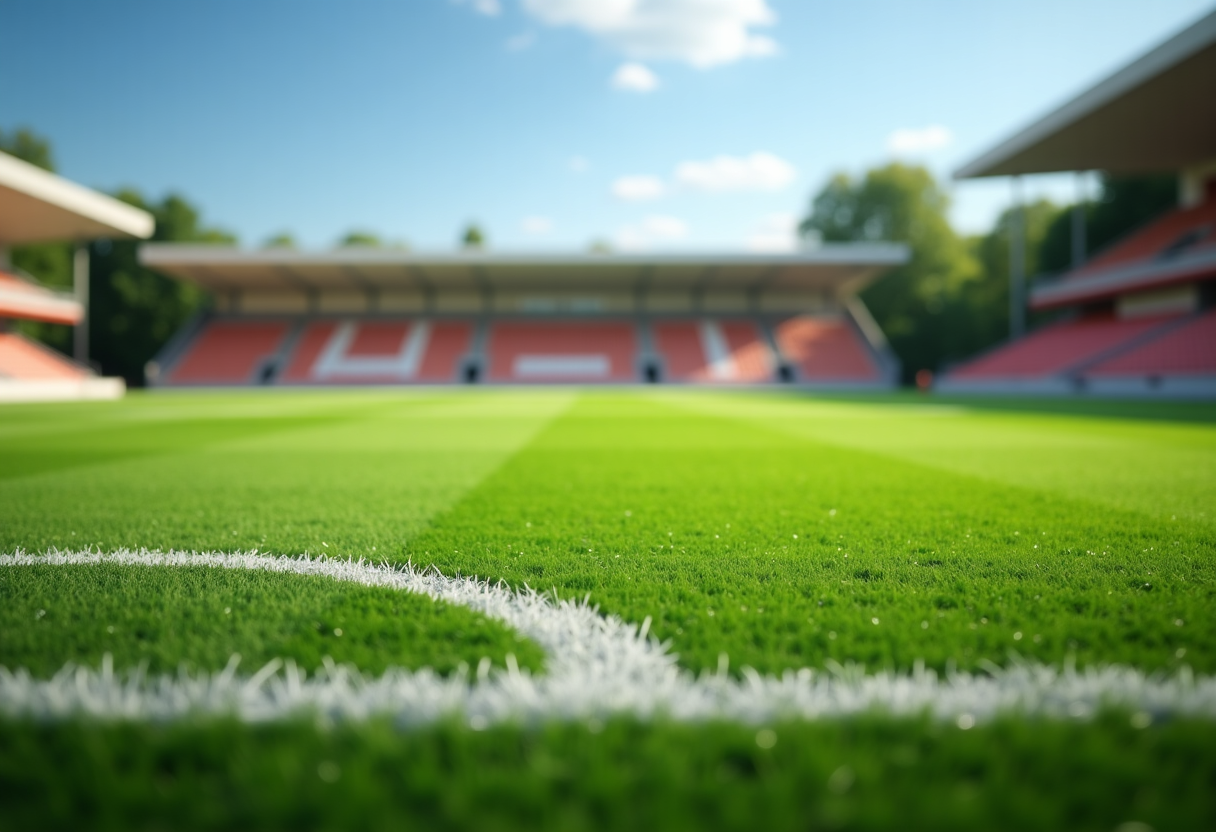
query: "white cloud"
490, 8
911, 141
638, 188
702, 33
578, 164
522, 41
757, 172
775, 234
653, 229
536, 225
634, 77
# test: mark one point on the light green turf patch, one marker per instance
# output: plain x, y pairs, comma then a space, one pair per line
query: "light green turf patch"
199, 617
1160, 467
324, 473
784, 551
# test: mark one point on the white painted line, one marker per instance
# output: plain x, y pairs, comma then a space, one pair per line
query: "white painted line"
597, 666
565, 366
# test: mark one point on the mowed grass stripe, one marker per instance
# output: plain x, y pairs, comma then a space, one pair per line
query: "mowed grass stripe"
786, 552
263, 478
1162, 468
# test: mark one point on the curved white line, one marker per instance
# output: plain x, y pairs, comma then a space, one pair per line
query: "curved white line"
597, 666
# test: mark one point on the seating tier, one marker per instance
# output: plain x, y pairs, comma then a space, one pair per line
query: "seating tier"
24, 360
1058, 348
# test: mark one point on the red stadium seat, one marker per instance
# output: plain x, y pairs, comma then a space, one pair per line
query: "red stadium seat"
394, 351
229, 352
1188, 349
25, 360
1058, 348
713, 351
1195, 226
826, 349
562, 351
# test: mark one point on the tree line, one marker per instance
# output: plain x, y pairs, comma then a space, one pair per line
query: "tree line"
949, 302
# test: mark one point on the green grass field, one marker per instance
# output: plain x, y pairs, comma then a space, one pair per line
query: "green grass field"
781, 531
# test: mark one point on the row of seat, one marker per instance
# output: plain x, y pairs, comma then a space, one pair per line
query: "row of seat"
437, 351
1103, 345
1172, 234
22, 359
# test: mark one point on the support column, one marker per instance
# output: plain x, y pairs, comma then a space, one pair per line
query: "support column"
1017, 263
1079, 242
80, 283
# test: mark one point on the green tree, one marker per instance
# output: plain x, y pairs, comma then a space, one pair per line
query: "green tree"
977, 315
1125, 203
473, 238
284, 239
912, 304
28, 146
360, 239
133, 310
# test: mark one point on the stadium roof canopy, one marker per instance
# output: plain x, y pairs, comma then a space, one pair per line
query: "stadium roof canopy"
1154, 115
838, 267
36, 206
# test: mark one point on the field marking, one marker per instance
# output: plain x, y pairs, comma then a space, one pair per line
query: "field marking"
596, 666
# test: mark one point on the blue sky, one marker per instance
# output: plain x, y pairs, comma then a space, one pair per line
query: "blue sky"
652, 124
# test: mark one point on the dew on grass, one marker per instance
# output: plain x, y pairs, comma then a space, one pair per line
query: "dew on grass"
924, 625
328, 771
766, 738
965, 721
841, 780
1134, 826
873, 620
1180, 652
831, 512
478, 722
832, 635
338, 631
110, 628
1141, 720
1017, 636
1178, 622
227, 610
39, 614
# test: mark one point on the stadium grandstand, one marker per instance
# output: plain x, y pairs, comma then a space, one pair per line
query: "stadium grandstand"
1138, 318
38, 207
381, 317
